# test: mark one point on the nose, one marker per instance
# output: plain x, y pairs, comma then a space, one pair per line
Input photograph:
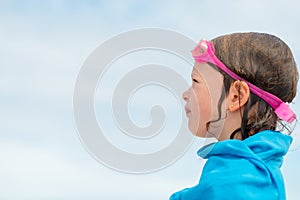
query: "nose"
185, 96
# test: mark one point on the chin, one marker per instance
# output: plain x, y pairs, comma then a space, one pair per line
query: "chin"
205, 135
197, 133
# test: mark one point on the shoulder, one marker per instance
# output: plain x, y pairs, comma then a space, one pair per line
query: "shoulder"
228, 177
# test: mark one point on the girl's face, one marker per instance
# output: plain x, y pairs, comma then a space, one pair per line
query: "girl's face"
202, 99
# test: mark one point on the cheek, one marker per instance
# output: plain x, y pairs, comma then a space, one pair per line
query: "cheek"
215, 96
201, 112
204, 103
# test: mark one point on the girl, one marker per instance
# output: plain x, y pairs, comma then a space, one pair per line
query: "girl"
242, 83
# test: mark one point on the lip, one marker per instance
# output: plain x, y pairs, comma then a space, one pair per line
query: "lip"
187, 110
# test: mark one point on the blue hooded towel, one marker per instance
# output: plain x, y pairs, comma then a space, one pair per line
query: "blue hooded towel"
235, 169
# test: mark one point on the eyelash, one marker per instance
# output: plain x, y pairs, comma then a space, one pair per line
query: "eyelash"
194, 80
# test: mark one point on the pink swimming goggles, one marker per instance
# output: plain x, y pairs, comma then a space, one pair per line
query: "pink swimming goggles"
205, 52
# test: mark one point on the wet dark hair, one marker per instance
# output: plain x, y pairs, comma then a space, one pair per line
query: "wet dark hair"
265, 61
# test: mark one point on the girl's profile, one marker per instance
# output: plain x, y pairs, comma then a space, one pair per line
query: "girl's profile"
242, 84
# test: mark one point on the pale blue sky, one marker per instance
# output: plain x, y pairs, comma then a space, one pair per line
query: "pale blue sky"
44, 44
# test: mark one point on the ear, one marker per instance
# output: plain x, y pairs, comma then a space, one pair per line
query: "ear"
238, 95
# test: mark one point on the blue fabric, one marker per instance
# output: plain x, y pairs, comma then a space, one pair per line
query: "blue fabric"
248, 169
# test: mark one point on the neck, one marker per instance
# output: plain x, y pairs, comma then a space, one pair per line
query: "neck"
231, 123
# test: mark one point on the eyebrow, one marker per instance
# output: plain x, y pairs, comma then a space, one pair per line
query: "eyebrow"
195, 74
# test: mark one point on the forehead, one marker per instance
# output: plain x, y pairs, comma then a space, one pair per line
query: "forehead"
205, 70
